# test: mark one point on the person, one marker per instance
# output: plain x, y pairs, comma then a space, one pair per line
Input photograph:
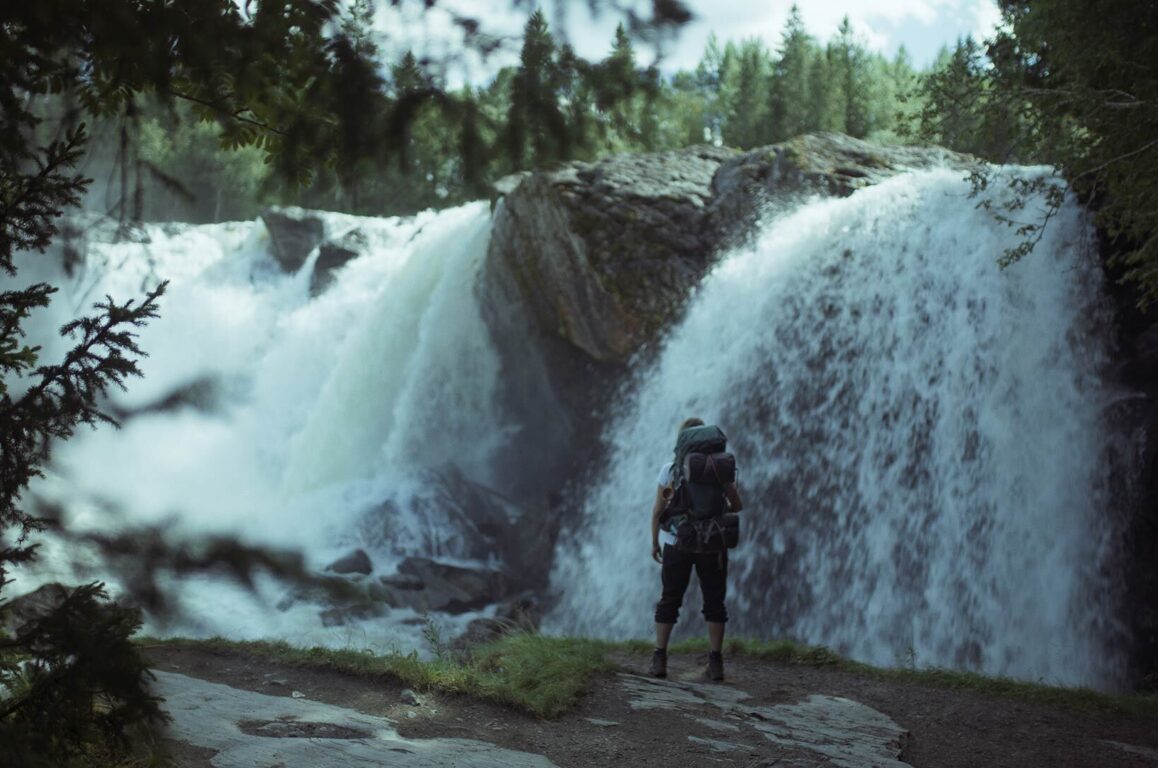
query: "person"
676, 570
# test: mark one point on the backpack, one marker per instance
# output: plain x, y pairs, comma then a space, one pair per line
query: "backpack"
700, 470
697, 510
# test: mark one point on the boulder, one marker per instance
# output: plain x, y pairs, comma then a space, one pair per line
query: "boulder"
521, 614
293, 234
402, 581
527, 547
467, 520
463, 520
339, 616
449, 588
28, 608
334, 253
587, 263
603, 253
522, 538
200, 394
476, 511
355, 562
478, 633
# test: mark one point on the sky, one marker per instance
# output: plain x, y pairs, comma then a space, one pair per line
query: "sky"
922, 26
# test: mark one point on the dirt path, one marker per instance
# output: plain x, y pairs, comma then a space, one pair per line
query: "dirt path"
620, 723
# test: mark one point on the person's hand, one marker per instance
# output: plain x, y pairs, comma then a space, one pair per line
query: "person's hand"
655, 552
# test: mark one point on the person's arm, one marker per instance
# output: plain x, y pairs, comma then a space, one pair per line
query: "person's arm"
661, 495
732, 493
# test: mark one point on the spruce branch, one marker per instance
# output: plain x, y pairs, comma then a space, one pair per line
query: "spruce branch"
30, 203
66, 394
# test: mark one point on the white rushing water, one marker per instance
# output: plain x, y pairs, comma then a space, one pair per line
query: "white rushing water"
326, 411
918, 433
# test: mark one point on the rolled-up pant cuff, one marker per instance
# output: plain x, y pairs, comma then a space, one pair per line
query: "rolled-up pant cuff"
712, 570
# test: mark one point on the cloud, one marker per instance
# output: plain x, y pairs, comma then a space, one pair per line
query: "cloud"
985, 17
883, 26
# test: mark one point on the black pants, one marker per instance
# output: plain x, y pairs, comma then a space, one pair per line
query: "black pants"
712, 571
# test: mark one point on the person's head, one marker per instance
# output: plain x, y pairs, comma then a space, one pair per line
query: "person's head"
692, 422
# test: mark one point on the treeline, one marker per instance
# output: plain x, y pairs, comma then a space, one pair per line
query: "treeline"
1065, 83
441, 146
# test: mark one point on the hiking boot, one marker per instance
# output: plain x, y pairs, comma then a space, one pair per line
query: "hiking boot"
715, 666
658, 663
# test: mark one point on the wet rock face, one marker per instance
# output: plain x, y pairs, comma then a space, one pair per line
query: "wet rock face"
605, 254
421, 584
355, 562
425, 585
334, 253
1132, 455
814, 164
511, 548
472, 521
602, 254
587, 263
294, 233
26, 609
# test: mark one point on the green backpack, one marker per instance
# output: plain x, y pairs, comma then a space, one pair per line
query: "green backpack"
700, 470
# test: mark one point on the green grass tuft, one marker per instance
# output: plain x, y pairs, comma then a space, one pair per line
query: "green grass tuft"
543, 676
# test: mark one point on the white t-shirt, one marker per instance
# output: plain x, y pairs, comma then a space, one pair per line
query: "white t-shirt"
664, 481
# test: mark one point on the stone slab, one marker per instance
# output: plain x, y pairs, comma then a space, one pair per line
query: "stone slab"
248, 729
833, 731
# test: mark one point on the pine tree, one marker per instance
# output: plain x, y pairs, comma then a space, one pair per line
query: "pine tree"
357, 98
617, 85
651, 101
904, 83
537, 131
790, 99
744, 90
709, 80
960, 110
825, 112
682, 112
848, 63
410, 89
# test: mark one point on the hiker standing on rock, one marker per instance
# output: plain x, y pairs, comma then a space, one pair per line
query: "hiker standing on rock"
693, 525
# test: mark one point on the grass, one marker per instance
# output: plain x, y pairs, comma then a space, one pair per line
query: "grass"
543, 676
546, 676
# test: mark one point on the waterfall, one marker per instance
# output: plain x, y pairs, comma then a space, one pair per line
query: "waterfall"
918, 433
319, 416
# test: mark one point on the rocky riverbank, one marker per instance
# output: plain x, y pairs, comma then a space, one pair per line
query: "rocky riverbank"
230, 707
